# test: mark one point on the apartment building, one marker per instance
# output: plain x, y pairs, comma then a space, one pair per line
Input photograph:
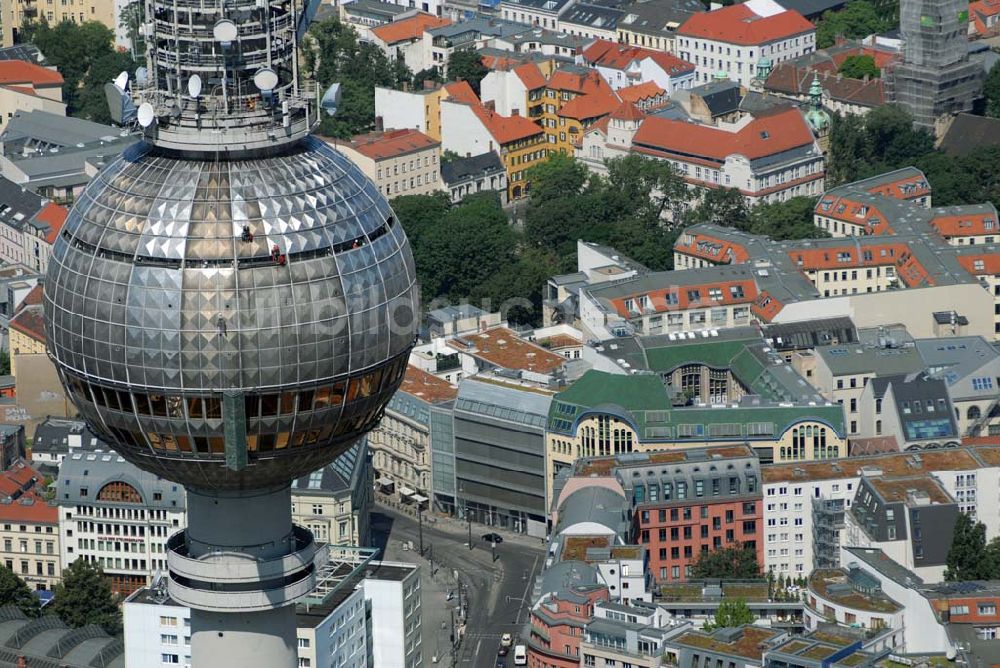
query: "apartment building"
536, 13
654, 24
401, 448
470, 129
13, 14
30, 528
733, 41
574, 99
768, 158
623, 66
400, 162
28, 226
26, 86
335, 502
403, 39
591, 21
685, 504
913, 410
118, 517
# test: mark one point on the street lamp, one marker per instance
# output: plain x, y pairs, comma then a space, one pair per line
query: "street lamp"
420, 524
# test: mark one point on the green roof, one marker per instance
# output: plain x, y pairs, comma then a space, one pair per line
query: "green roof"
643, 399
718, 354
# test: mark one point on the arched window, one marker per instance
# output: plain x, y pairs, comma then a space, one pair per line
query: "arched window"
973, 413
878, 427
119, 492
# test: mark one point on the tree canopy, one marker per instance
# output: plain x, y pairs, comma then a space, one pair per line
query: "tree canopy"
333, 53
991, 92
734, 562
859, 18
85, 56
467, 65
970, 557
881, 141
732, 612
14, 591
859, 67
84, 597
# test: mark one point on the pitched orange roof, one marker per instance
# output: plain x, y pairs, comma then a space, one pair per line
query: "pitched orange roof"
670, 63
717, 251
54, 215
408, 29
967, 225
461, 91
530, 76
980, 13
764, 136
506, 129
34, 297
31, 322
908, 268
738, 24
581, 83
850, 210
19, 71
692, 296
590, 106
978, 265
597, 50
627, 111
766, 307
502, 347
642, 91
383, 145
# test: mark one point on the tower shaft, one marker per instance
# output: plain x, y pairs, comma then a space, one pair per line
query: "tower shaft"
240, 566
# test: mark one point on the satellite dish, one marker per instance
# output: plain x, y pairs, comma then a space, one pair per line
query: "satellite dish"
145, 114
194, 85
141, 76
224, 31
122, 80
331, 99
265, 79
120, 105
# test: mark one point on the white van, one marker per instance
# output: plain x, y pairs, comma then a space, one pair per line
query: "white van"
520, 656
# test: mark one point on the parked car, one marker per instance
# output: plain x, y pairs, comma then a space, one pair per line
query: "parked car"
506, 640
520, 656
493, 538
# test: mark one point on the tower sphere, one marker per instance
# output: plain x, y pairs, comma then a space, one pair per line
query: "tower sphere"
231, 323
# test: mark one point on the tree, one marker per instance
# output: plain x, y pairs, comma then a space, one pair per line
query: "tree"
734, 562
467, 65
791, 219
431, 74
14, 591
968, 546
84, 597
858, 19
991, 91
859, 67
883, 140
4, 362
73, 48
722, 206
419, 213
93, 103
730, 614
333, 53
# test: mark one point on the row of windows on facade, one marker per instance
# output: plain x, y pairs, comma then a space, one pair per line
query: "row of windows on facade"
717, 316
687, 513
23, 528
699, 490
41, 568
749, 529
50, 546
415, 182
138, 531
672, 297
413, 164
116, 546
116, 512
118, 563
817, 438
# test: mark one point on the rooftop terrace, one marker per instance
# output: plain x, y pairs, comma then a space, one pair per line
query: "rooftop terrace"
749, 645
832, 584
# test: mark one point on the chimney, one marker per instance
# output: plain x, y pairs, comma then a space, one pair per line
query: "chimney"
379, 124
429, 84
406, 86
515, 112
21, 663
490, 104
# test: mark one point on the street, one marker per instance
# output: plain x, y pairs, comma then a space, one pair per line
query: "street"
495, 594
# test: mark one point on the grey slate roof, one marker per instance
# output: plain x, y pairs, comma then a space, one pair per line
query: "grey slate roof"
969, 133
503, 403
857, 359
52, 436
93, 470
812, 8
338, 476
922, 404
811, 333
17, 204
564, 575
881, 563
593, 16
721, 97
955, 358
461, 169
26, 52
656, 17
593, 504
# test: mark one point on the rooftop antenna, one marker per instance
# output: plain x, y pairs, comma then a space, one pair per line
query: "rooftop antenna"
331, 99
121, 81
145, 114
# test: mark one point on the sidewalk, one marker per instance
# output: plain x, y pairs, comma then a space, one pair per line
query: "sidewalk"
455, 526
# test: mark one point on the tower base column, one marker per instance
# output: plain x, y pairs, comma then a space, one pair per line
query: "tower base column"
240, 566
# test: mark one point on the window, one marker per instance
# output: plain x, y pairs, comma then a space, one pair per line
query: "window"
168, 639
987, 608
169, 658
168, 621
303, 643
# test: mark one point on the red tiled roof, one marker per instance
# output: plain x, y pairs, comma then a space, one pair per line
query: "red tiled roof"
502, 347
991, 263
618, 57
408, 29
53, 215
854, 212
590, 106
909, 270
660, 304
880, 56
505, 129
642, 91
34, 297
461, 91
967, 225
627, 111
581, 83
738, 24
392, 143
791, 79
766, 307
764, 136
30, 322
530, 76
979, 13
23, 486
703, 245
19, 71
